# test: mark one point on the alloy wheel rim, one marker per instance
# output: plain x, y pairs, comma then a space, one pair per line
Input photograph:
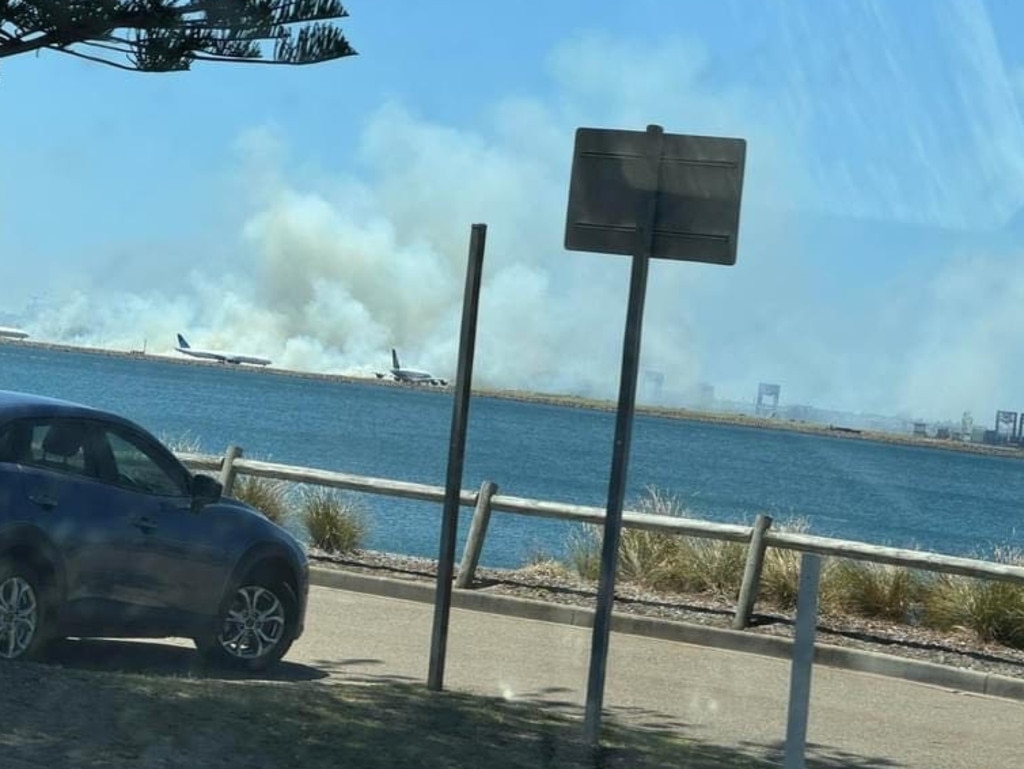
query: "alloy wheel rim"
19, 617
254, 625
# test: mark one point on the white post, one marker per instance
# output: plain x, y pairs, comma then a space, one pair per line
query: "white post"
803, 662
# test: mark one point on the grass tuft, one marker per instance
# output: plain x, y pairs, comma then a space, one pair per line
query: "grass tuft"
874, 590
183, 443
660, 561
584, 549
334, 524
267, 495
993, 611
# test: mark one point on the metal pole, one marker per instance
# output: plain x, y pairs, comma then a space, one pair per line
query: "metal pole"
803, 662
623, 435
456, 454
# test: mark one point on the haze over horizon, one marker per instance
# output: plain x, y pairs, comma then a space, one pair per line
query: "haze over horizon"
321, 216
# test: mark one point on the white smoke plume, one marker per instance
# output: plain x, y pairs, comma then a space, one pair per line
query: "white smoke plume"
328, 274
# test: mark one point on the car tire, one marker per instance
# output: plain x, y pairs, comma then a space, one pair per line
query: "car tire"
24, 611
256, 627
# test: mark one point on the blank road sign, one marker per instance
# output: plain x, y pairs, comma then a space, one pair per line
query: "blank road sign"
697, 182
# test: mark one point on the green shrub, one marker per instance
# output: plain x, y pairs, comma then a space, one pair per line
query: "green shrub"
585, 551
993, 611
874, 590
334, 524
780, 574
647, 558
661, 561
268, 495
714, 566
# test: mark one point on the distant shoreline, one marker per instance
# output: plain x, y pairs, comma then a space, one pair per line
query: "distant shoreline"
571, 401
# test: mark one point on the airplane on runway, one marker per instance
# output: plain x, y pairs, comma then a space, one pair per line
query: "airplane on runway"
409, 375
217, 355
6, 332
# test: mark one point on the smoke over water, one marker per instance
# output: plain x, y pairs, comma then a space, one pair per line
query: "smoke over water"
886, 151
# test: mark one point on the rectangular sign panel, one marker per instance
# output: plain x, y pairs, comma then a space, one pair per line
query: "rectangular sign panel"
697, 183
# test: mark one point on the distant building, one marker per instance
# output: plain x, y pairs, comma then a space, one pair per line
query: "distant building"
767, 404
653, 383
1006, 425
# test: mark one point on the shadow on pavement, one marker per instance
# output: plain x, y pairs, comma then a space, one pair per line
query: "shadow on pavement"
825, 757
162, 658
88, 714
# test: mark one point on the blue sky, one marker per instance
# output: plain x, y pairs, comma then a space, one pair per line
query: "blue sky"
320, 215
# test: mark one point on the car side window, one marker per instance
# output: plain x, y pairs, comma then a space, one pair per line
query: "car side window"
16, 442
60, 444
141, 469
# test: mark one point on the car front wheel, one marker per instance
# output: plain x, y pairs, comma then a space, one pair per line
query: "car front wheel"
22, 611
256, 630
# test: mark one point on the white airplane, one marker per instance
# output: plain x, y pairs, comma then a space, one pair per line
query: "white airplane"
6, 332
223, 357
409, 375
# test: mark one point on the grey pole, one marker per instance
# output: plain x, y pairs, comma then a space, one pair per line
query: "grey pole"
456, 455
623, 435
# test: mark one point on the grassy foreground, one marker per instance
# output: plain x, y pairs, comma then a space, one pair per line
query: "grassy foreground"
992, 611
52, 716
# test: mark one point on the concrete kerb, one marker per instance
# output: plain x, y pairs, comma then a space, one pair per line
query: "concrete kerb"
971, 681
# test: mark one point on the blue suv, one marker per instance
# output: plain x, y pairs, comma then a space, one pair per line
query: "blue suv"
105, 533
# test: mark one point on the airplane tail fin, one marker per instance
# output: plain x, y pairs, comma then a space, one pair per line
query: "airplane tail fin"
182, 342
394, 358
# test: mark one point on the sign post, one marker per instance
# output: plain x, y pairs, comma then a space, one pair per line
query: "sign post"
456, 456
647, 195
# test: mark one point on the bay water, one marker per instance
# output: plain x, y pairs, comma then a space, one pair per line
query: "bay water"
906, 496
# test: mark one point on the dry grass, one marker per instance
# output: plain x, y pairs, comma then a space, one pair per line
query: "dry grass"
334, 523
183, 443
874, 590
662, 561
271, 497
993, 611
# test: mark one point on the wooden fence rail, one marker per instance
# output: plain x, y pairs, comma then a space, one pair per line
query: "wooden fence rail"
758, 537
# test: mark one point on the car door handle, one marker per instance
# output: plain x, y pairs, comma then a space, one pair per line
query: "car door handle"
43, 500
144, 524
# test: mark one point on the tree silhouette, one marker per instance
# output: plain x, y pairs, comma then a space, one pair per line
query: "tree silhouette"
169, 35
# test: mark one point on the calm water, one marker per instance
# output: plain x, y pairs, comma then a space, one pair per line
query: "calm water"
885, 494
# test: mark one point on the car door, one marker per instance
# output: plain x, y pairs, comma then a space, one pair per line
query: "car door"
181, 563
72, 506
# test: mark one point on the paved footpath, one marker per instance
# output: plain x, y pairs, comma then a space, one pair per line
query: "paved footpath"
718, 697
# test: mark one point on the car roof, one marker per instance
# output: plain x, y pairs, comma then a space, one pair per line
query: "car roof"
15, 405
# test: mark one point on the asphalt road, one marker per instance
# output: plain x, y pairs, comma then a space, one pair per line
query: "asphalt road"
716, 697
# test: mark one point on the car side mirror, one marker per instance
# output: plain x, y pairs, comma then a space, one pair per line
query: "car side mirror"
205, 490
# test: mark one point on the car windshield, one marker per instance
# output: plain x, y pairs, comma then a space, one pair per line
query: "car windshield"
577, 383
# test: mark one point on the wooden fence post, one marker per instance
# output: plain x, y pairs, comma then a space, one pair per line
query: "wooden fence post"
227, 470
477, 532
752, 572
